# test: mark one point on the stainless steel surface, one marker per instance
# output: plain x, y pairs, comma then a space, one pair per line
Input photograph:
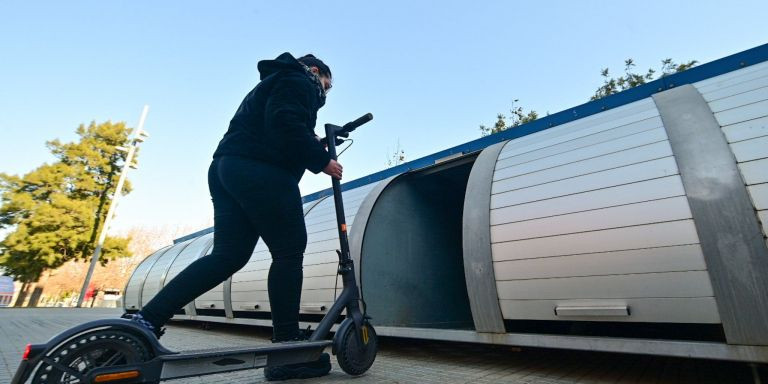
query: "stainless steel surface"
316, 308
190, 309
759, 195
198, 248
312, 204
154, 280
412, 267
688, 310
752, 149
748, 74
584, 148
357, 233
132, 296
478, 259
228, 310
618, 117
648, 212
743, 113
597, 213
594, 181
251, 296
734, 88
750, 96
661, 284
731, 238
570, 170
608, 344
746, 130
581, 143
643, 236
592, 310
648, 260
755, 172
653, 189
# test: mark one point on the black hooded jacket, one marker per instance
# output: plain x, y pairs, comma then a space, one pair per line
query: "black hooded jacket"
276, 120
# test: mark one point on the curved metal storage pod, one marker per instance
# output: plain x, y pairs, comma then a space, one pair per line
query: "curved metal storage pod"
589, 221
586, 221
155, 279
739, 101
601, 219
132, 296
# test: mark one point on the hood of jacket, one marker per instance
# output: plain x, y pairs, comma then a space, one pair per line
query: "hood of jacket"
286, 61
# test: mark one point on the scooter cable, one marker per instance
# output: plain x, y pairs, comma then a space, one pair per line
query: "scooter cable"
347, 147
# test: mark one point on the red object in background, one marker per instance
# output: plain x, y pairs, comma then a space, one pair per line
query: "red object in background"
88, 293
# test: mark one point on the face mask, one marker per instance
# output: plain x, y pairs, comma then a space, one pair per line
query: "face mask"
322, 100
318, 84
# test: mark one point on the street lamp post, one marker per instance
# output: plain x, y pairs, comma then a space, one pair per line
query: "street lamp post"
138, 136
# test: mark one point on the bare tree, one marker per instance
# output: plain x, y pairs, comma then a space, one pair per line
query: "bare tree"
395, 157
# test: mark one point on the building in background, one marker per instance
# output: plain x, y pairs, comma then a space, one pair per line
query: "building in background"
6, 291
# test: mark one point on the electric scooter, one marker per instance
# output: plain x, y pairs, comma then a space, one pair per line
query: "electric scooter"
120, 351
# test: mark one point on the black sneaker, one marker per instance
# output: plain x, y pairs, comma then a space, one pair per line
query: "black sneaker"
141, 321
317, 368
300, 335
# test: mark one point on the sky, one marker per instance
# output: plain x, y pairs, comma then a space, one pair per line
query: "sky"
430, 72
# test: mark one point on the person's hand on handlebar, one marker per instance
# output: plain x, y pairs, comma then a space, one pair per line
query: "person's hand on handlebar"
333, 169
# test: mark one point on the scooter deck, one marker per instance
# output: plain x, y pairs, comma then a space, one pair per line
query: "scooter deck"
219, 360
225, 351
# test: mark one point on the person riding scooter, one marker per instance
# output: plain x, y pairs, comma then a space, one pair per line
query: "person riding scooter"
253, 181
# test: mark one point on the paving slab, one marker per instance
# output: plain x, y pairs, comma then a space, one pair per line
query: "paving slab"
399, 360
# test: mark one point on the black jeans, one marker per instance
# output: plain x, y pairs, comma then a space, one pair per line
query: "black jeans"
251, 199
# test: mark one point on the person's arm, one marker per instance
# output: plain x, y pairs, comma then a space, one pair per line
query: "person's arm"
287, 111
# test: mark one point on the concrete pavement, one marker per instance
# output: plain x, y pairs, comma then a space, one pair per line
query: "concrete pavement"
399, 360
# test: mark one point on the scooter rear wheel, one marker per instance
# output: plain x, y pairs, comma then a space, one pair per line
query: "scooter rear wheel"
70, 362
356, 353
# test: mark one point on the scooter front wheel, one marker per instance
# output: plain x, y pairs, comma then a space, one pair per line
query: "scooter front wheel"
72, 361
356, 350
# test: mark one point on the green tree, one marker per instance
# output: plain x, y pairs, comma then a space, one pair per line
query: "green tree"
516, 118
55, 212
631, 79
610, 86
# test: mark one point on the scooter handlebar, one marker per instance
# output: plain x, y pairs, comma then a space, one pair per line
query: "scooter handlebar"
351, 126
344, 130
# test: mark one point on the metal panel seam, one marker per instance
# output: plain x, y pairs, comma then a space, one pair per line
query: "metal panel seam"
144, 280
725, 219
190, 307
357, 232
125, 290
476, 242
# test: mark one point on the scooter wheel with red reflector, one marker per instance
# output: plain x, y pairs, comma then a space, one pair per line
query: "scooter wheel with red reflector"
73, 360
